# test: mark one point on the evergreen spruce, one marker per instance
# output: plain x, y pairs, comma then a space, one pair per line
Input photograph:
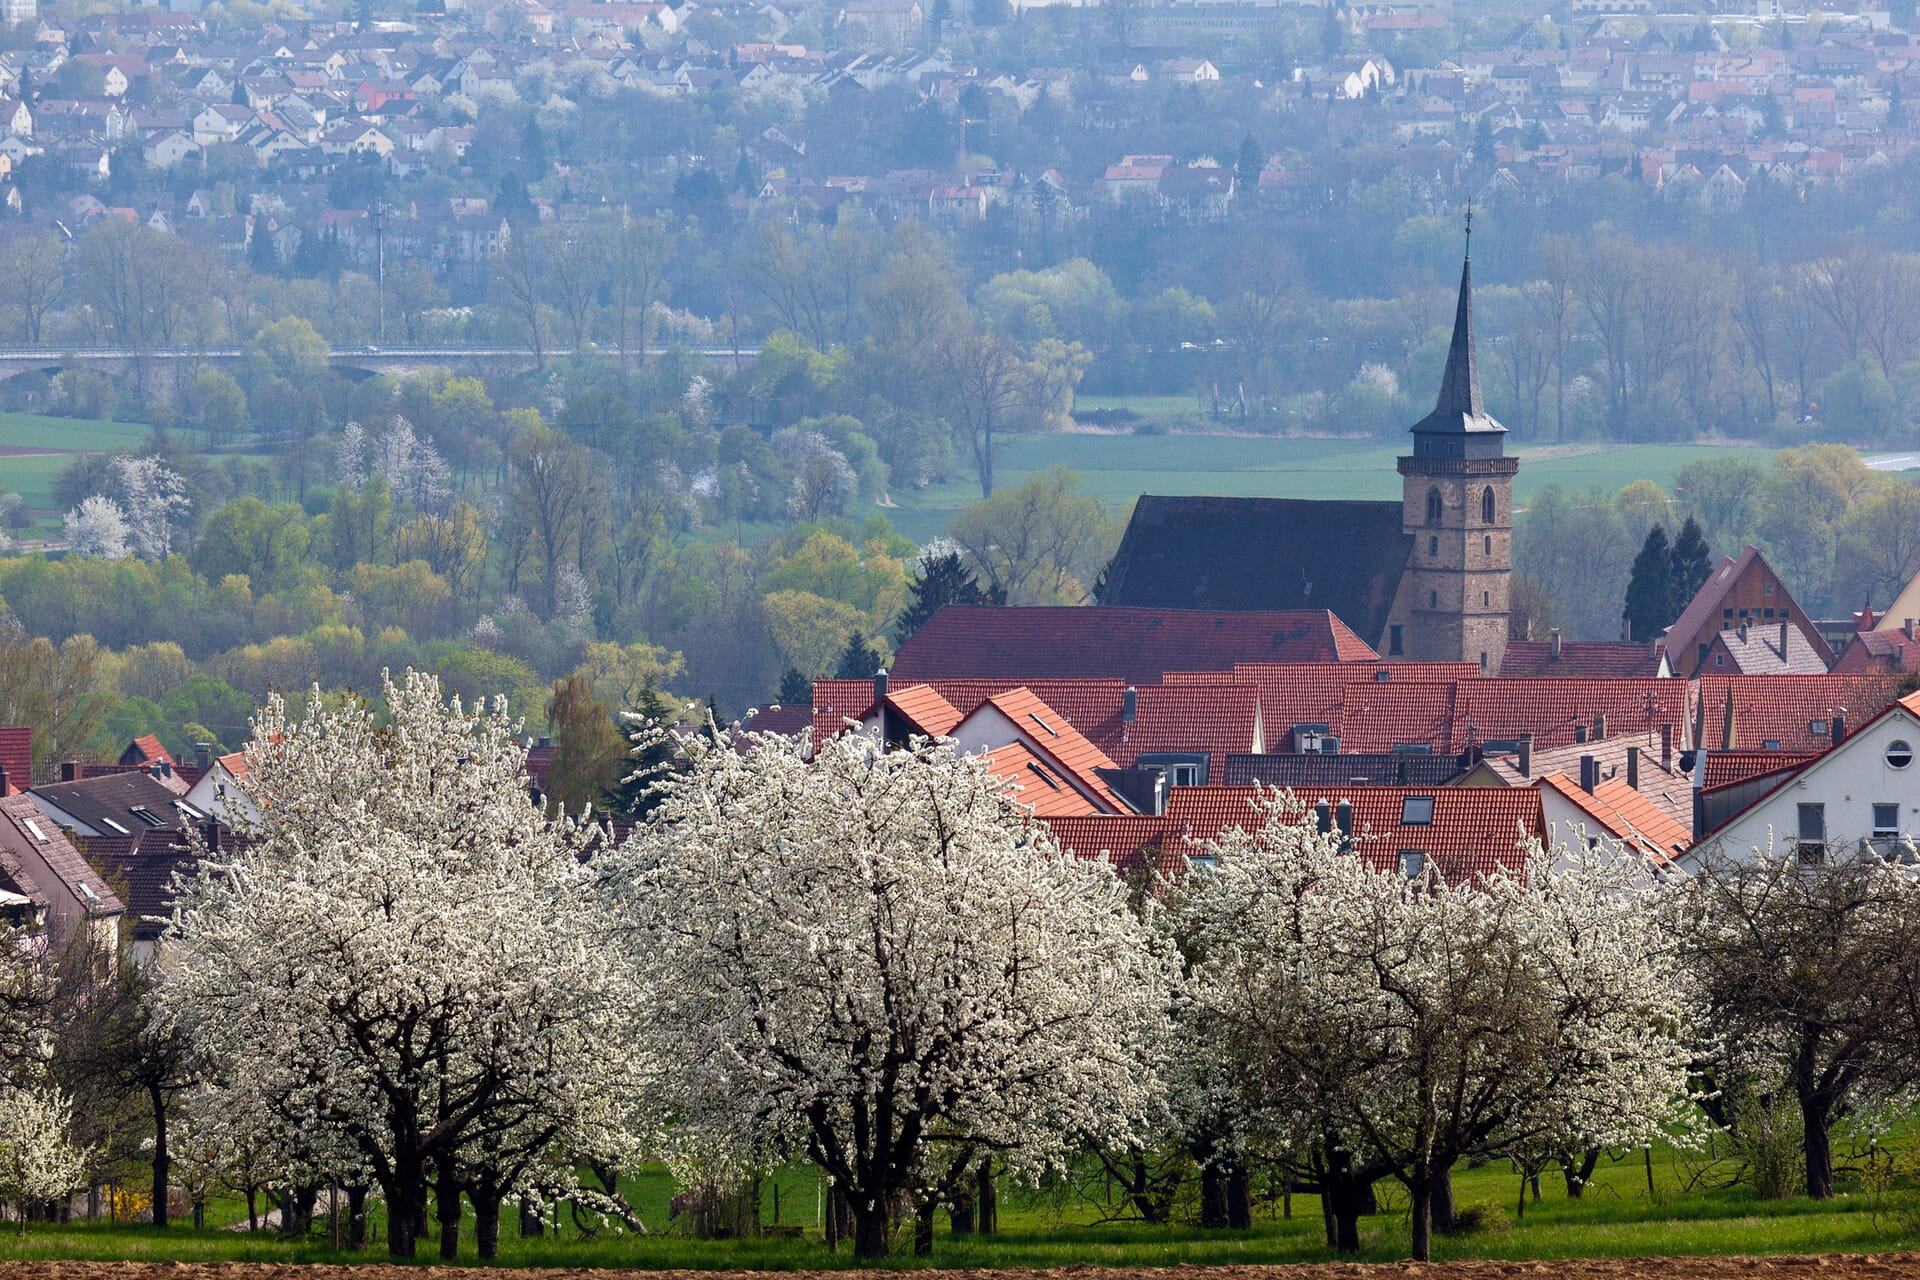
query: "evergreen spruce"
632, 797
795, 689
1650, 589
859, 660
943, 580
1692, 565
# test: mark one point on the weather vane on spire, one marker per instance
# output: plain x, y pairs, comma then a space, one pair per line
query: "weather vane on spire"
1469, 227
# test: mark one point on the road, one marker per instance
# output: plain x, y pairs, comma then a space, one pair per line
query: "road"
1892, 461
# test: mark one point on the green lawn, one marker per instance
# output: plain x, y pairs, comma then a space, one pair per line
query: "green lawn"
72, 435
1616, 1218
1119, 468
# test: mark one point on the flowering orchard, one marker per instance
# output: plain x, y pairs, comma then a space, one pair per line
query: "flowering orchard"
407, 981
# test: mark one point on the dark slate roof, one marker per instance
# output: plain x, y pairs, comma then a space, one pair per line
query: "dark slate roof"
140, 868
1460, 410
1245, 554
112, 799
1311, 770
1102, 641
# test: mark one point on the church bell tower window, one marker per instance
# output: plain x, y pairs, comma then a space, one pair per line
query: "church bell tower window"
1433, 506
1486, 505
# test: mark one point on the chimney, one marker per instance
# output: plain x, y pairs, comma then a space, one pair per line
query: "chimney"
1130, 704
1666, 747
1743, 631
1908, 628
69, 771
1838, 724
1783, 639
1729, 734
1626, 629
1633, 767
1554, 641
1322, 817
1589, 774
1580, 734
203, 755
1600, 727
1343, 818
880, 685
1526, 755
3, 780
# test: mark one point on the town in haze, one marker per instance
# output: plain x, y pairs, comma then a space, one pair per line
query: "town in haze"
768, 634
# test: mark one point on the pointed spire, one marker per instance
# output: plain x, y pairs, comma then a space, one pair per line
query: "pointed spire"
1460, 407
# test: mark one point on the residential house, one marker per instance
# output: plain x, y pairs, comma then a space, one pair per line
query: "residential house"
1763, 649
1742, 588
115, 804
1861, 797
45, 885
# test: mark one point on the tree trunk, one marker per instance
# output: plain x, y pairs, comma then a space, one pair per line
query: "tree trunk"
960, 1215
1239, 1197
1420, 1186
162, 1163
400, 1223
1578, 1176
923, 1227
486, 1225
1344, 1197
1213, 1196
872, 1233
356, 1218
531, 1224
1443, 1202
1817, 1143
253, 1212
987, 1200
446, 1192
199, 1214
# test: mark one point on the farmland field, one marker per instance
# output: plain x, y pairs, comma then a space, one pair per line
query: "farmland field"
1119, 468
34, 447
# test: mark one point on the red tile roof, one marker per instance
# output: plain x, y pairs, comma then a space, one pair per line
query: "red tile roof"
1549, 709
1311, 692
1058, 743
1784, 709
1134, 645
1131, 844
929, 713
1879, 651
1724, 768
1050, 793
1167, 717
149, 749
1475, 830
1615, 659
16, 757
1626, 814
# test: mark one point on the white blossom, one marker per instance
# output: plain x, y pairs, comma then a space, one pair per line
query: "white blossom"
871, 958
405, 956
823, 480
572, 598
155, 500
97, 528
38, 1160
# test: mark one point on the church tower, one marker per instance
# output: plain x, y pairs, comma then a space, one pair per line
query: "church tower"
1457, 491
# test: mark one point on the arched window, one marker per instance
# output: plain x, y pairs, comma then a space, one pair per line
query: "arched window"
1486, 506
1433, 506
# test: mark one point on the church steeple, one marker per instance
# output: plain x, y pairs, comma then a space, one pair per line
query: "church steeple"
1460, 410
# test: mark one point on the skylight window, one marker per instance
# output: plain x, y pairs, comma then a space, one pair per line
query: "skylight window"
1044, 776
1035, 717
116, 826
1416, 811
34, 827
147, 816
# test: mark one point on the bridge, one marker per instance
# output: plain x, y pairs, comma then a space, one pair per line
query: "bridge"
355, 363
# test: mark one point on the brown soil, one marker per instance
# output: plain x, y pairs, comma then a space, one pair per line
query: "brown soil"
1831, 1266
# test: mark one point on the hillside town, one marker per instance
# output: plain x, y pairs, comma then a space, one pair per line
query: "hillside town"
373, 136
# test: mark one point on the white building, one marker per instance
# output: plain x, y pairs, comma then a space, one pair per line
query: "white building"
1861, 796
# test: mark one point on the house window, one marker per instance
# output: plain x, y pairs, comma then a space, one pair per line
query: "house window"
1899, 754
1813, 832
1413, 863
1719, 659
1886, 821
1416, 811
1769, 588
1433, 506
1433, 599
1726, 613
1818, 728
1486, 507
1770, 744
1486, 599
1433, 546
1483, 663
1487, 544
1396, 640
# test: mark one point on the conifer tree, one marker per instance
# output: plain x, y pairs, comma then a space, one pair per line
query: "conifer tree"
858, 660
653, 753
944, 579
795, 688
1650, 589
1692, 563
